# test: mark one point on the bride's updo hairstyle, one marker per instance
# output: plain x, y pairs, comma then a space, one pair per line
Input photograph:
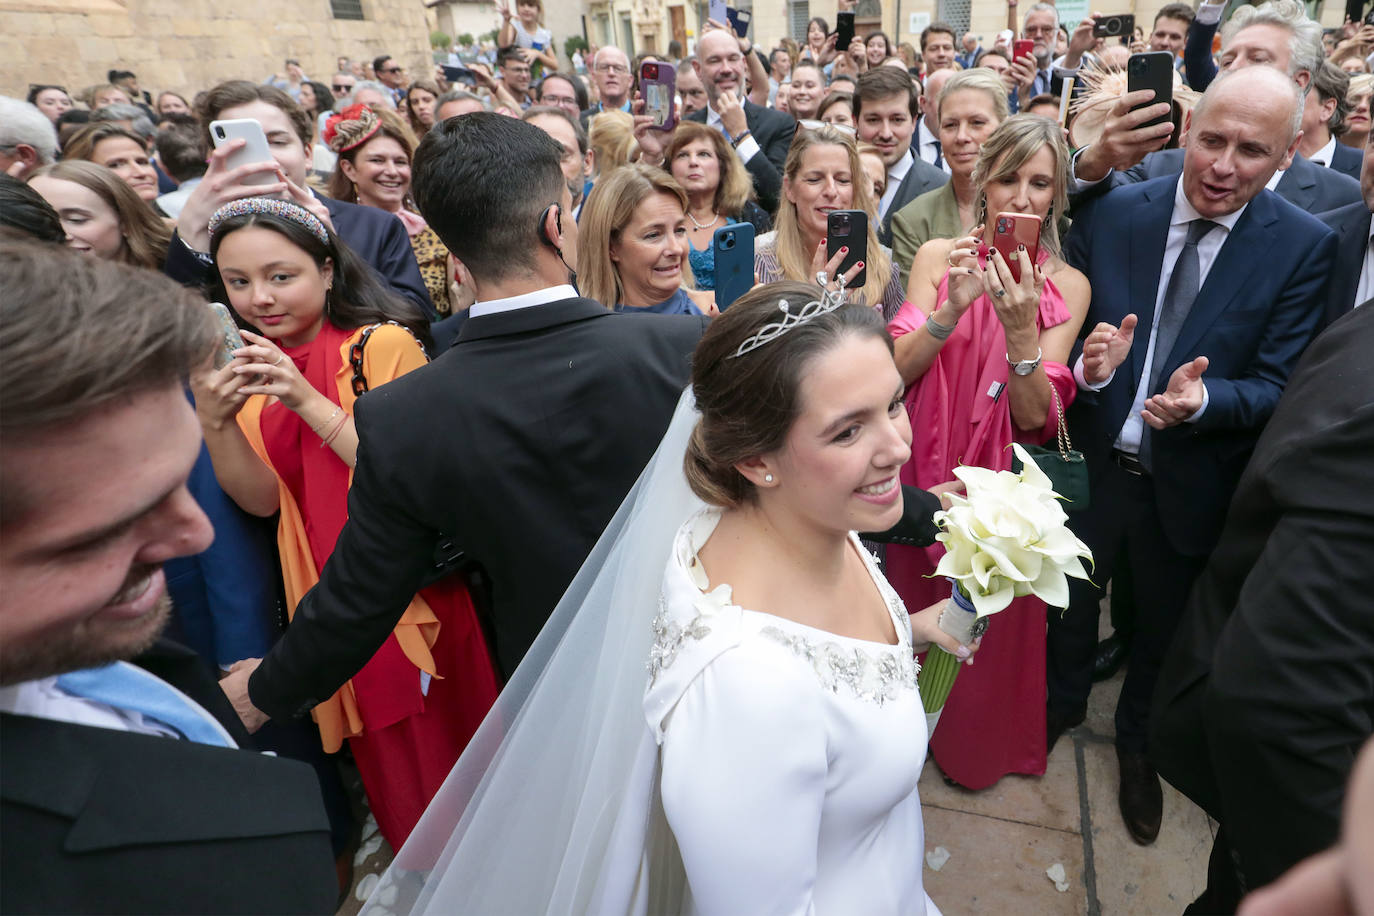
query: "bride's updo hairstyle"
748, 403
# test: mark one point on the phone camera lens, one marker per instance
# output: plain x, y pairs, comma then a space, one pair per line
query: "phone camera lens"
219, 132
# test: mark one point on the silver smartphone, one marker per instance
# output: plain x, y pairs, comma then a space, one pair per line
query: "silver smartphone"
255, 149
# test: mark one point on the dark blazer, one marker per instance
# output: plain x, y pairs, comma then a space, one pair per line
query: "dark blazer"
1351, 223
1309, 187
1266, 696
1199, 69
374, 235
1347, 160
519, 444
1252, 318
773, 132
103, 821
920, 178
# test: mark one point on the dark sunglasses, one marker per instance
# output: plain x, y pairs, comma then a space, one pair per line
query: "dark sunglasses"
392, 70
341, 88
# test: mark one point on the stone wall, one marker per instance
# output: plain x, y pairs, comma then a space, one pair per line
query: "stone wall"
188, 45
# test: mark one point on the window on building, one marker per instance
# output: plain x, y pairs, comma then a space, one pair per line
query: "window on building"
956, 13
798, 15
346, 9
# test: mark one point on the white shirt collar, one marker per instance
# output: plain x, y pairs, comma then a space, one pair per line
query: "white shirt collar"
897, 171
1324, 155
524, 300
1184, 212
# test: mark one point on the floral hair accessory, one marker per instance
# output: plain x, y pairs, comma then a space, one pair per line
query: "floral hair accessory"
351, 128
270, 206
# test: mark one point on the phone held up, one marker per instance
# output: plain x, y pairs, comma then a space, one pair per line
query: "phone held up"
1115, 26
734, 262
716, 10
658, 83
256, 149
844, 30
1022, 47
1012, 230
1152, 70
739, 21
230, 338
848, 229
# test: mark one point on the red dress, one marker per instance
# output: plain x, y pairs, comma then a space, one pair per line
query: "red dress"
412, 708
994, 720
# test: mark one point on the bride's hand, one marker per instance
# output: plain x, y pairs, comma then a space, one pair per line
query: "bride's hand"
925, 630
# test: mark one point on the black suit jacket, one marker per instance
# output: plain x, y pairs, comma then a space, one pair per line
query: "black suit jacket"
519, 444
374, 235
1309, 187
103, 821
1351, 223
1254, 315
920, 178
1268, 692
773, 131
1347, 160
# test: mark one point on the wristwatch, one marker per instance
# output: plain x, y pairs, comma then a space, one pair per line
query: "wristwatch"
1026, 366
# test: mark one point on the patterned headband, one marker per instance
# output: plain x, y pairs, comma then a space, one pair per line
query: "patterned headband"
350, 128
270, 206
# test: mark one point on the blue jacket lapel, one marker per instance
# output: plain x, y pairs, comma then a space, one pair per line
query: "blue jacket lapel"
1146, 238
1298, 185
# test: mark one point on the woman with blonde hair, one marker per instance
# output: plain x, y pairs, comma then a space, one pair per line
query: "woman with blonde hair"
968, 110
719, 191
632, 244
1358, 120
375, 148
101, 214
985, 361
822, 173
611, 135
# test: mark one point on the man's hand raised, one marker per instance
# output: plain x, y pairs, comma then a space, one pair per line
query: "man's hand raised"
1124, 142
1180, 400
1105, 349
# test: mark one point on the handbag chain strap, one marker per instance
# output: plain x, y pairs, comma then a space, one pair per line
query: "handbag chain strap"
1062, 433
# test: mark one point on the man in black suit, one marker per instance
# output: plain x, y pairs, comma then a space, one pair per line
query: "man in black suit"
1206, 289
517, 444
1266, 696
1322, 119
1352, 280
760, 136
378, 237
123, 787
886, 112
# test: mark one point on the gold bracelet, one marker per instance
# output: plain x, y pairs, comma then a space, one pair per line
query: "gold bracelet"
327, 420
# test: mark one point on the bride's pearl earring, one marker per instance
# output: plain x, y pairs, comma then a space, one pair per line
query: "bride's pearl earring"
767, 478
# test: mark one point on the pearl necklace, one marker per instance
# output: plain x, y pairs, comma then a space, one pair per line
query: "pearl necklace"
714, 219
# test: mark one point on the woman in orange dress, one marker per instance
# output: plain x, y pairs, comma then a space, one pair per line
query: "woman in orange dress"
278, 423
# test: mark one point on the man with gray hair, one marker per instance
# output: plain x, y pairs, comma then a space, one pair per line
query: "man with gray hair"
1292, 42
613, 80
1277, 35
27, 138
1206, 289
1323, 118
457, 102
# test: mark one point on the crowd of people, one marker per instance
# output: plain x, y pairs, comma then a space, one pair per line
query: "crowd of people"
410, 485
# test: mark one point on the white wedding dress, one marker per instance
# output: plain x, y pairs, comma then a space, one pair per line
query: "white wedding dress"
789, 755
709, 760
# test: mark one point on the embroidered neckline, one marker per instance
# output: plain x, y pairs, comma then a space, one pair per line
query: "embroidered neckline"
874, 677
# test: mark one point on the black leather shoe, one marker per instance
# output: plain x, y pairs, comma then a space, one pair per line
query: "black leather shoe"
1111, 655
1142, 799
1056, 724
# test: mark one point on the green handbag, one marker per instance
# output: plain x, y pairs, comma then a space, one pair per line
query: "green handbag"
1065, 468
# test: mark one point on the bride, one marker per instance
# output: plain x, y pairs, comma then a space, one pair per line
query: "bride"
755, 747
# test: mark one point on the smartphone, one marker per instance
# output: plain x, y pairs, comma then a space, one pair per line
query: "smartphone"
717, 11
734, 254
537, 45
460, 75
848, 229
844, 30
230, 338
1011, 230
1152, 70
1114, 26
222, 132
1022, 47
739, 20
657, 84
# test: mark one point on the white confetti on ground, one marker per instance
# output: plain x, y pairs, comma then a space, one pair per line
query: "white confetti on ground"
937, 858
366, 886
1056, 874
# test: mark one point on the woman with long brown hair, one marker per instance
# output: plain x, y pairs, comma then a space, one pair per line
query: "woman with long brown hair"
102, 215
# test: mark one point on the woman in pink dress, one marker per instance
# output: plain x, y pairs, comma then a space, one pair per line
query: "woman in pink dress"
981, 354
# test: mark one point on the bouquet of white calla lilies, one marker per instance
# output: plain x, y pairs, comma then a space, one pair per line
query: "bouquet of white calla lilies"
1004, 539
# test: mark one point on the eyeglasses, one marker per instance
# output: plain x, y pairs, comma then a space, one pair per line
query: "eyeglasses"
557, 100
611, 68
812, 124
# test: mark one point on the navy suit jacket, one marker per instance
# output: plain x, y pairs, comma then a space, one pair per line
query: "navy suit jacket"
1309, 187
1347, 160
1351, 223
374, 235
773, 132
920, 178
1254, 315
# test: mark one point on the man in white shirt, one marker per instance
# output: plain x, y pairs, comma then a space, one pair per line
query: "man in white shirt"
928, 129
611, 75
886, 112
122, 784
1323, 115
1206, 290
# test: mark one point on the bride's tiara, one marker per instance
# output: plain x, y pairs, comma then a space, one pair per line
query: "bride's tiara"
828, 302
